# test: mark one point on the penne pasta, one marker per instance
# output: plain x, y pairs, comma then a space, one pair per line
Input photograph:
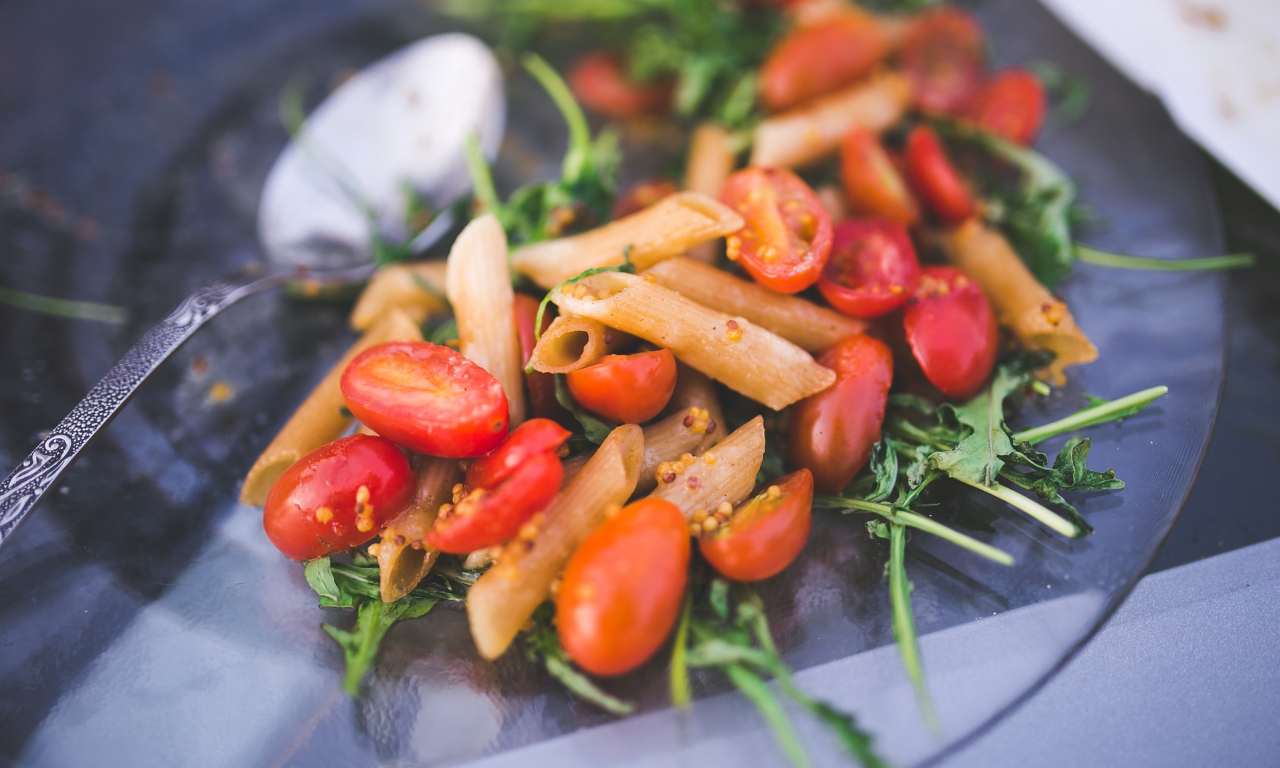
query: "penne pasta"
725, 474
696, 391
570, 343
711, 160
797, 320
416, 289
478, 283
667, 439
667, 228
322, 417
504, 598
743, 356
805, 134
1036, 317
404, 559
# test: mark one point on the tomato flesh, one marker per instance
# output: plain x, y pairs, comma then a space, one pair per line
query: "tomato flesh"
486, 517
766, 534
833, 431
936, 179
541, 386
317, 506
601, 83
952, 332
873, 268
942, 53
643, 195
533, 437
628, 389
786, 235
819, 58
622, 589
427, 398
872, 184
1011, 105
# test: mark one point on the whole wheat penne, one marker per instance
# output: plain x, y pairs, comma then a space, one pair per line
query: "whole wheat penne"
797, 320
1026, 307
711, 160
808, 132
403, 556
666, 439
504, 598
669, 227
321, 418
416, 289
732, 350
697, 393
478, 283
570, 343
726, 473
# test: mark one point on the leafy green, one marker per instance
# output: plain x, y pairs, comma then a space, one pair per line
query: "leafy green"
373, 619
593, 429
904, 626
1098, 412
74, 310
442, 331
1069, 93
678, 676
978, 457
1029, 470
1101, 258
542, 644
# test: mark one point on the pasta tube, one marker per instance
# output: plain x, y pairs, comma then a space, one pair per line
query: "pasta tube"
696, 393
667, 228
797, 320
710, 163
417, 289
570, 343
478, 284
403, 556
504, 598
745, 357
724, 475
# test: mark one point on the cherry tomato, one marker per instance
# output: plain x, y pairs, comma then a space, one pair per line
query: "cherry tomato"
622, 589
942, 53
832, 432
819, 58
486, 517
541, 386
601, 83
872, 183
337, 497
643, 195
1011, 105
936, 179
427, 398
872, 270
525, 441
765, 534
952, 332
787, 235
628, 389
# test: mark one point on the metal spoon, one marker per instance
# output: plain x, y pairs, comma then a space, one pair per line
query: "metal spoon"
401, 121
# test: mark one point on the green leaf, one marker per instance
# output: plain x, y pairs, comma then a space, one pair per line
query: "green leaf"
978, 457
1030, 471
442, 331
884, 470
319, 576
373, 619
904, 627
678, 675
1098, 412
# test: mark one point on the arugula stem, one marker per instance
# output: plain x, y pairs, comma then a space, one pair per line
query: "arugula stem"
1098, 414
904, 627
757, 691
678, 679
578, 156
1032, 508
925, 525
75, 310
481, 176
1101, 258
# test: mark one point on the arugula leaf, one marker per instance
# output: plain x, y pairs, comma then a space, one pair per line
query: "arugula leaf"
678, 676
904, 627
542, 644
443, 331
373, 619
978, 457
1030, 471
1070, 93
319, 576
1098, 412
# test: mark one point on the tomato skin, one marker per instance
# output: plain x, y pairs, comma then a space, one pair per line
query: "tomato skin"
642, 195
873, 268
943, 54
487, 517
936, 179
765, 534
525, 441
1011, 105
541, 386
628, 389
427, 398
952, 332
786, 238
600, 82
622, 589
819, 58
832, 432
331, 477
872, 184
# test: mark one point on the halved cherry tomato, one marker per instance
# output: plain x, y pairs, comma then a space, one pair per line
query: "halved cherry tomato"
766, 533
872, 184
642, 195
1011, 105
942, 53
337, 497
832, 432
936, 179
541, 386
952, 332
525, 441
872, 270
622, 588
787, 235
427, 398
628, 389
486, 517
601, 83
819, 58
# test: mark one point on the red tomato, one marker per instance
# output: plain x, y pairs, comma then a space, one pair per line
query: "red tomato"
643, 195
621, 591
872, 270
628, 389
952, 332
601, 83
819, 58
486, 517
541, 386
787, 235
337, 497
832, 432
872, 183
765, 534
942, 53
525, 441
426, 397
1011, 105
936, 179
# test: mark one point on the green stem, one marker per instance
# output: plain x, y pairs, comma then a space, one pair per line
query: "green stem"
481, 176
757, 691
927, 525
679, 674
1033, 509
1098, 414
578, 156
904, 626
1101, 258
75, 310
